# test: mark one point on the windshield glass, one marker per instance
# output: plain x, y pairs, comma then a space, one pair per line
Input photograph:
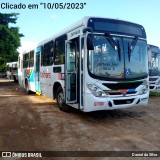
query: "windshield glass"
137, 65
154, 67
108, 63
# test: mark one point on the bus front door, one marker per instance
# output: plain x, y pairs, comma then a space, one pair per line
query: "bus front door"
37, 72
70, 73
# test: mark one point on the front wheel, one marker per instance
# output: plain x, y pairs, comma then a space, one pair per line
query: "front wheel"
61, 100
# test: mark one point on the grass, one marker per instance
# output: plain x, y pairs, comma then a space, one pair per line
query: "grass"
157, 94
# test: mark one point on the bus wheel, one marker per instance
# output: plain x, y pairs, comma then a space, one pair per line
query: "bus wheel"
14, 77
60, 100
27, 87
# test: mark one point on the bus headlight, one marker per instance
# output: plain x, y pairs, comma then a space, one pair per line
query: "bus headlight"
96, 91
99, 93
144, 89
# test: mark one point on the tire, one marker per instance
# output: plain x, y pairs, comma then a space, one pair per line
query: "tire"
61, 101
27, 87
15, 80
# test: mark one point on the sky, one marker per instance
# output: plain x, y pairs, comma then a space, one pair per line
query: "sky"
39, 24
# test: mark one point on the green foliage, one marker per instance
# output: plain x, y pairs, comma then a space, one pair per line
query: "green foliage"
2, 64
9, 39
157, 94
6, 18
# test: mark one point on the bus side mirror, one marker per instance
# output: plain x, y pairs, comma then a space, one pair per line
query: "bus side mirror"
90, 45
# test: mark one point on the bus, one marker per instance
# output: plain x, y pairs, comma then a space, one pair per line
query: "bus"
94, 64
12, 72
154, 68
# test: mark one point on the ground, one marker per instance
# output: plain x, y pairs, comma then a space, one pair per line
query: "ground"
34, 123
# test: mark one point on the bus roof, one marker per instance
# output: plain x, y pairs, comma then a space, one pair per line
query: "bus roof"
82, 22
151, 45
154, 49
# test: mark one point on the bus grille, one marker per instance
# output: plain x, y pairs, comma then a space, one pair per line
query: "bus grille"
119, 93
151, 87
125, 101
118, 86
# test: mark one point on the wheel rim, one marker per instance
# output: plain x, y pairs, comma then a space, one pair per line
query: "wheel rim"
60, 98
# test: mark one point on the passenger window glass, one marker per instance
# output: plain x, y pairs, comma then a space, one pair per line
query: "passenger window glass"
26, 60
31, 59
60, 50
47, 55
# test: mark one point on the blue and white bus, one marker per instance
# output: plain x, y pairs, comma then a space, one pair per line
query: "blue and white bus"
154, 68
95, 64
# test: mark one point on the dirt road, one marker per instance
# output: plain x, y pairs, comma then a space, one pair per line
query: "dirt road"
34, 123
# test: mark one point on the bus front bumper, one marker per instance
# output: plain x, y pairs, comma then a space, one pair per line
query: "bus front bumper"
92, 103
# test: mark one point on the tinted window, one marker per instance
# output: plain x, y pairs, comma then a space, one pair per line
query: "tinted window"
47, 54
26, 60
60, 50
116, 26
31, 59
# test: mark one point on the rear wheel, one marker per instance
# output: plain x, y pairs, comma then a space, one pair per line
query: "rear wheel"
27, 87
61, 100
15, 80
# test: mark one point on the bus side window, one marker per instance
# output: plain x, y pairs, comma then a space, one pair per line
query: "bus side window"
47, 54
31, 59
59, 50
26, 60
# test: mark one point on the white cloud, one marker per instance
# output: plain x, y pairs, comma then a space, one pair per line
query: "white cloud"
27, 45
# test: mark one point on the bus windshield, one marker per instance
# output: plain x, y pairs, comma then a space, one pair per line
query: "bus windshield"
105, 62
154, 67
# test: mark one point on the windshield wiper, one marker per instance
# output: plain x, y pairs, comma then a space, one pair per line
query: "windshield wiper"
131, 47
114, 44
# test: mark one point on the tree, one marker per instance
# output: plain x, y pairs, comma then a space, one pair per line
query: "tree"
9, 38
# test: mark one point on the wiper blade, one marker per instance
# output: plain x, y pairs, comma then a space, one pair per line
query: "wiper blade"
114, 44
111, 41
131, 47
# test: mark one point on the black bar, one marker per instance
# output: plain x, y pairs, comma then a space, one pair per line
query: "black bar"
79, 153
